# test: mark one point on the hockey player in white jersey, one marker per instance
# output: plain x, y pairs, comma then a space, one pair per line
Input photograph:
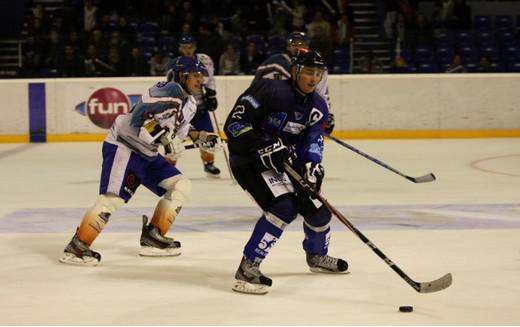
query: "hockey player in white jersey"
206, 100
131, 157
278, 66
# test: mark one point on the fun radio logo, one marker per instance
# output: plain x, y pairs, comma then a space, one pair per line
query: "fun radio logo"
104, 105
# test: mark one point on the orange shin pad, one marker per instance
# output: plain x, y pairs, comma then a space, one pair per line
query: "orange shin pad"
92, 224
164, 215
207, 156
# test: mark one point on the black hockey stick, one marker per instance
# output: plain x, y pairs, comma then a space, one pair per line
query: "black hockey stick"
421, 287
421, 179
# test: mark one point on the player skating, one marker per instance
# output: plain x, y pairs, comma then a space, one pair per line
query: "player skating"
131, 158
206, 101
278, 66
274, 122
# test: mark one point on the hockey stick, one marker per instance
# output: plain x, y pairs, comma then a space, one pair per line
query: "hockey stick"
421, 287
421, 179
224, 148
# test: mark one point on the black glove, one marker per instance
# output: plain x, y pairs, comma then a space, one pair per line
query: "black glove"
330, 123
274, 155
313, 175
211, 99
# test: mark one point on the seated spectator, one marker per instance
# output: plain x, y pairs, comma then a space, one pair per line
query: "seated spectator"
250, 59
456, 65
319, 22
94, 65
70, 64
116, 67
321, 43
229, 63
136, 64
485, 66
158, 64
370, 64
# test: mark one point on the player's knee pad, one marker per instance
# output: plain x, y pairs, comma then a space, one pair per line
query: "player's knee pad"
177, 188
109, 203
285, 208
320, 218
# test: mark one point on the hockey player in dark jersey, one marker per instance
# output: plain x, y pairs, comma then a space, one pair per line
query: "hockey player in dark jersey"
273, 122
278, 66
131, 157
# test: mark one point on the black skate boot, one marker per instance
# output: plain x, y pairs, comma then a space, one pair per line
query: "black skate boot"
211, 170
153, 244
78, 253
326, 264
250, 280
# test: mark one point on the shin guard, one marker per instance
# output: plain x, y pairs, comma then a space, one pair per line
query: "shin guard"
267, 231
97, 217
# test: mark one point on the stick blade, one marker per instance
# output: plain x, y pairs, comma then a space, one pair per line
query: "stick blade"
423, 179
436, 285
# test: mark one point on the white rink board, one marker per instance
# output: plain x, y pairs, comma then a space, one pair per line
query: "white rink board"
360, 102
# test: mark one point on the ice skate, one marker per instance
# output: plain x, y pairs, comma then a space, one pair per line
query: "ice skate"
249, 279
78, 253
326, 264
153, 244
211, 170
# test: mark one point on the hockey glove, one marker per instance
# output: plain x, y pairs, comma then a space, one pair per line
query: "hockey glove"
211, 100
313, 175
206, 141
331, 122
173, 146
274, 155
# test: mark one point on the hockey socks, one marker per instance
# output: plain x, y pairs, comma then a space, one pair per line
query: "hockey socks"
267, 231
316, 239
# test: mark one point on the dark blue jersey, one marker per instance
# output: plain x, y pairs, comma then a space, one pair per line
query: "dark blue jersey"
271, 109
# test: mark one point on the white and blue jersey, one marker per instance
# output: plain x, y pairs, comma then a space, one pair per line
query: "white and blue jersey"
131, 152
164, 104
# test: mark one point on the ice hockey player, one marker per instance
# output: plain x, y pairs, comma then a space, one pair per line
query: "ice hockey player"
206, 101
131, 158
274, 122
278, 66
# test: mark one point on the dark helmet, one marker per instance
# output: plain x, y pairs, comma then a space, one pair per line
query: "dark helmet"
187, 39
308, 58
183, 66
298, 37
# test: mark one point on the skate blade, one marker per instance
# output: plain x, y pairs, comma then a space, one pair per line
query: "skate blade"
149, 251
208, 175
248, 288
71, 259
320, 270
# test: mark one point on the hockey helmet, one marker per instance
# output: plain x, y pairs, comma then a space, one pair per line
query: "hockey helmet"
308, 58
183, 66
187, 39
298, 37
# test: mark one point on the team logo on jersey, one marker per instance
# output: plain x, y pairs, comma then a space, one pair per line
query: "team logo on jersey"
105, 104
275, 120
293, 128
315, 116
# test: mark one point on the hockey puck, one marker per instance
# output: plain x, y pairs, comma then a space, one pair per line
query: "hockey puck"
406, 308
